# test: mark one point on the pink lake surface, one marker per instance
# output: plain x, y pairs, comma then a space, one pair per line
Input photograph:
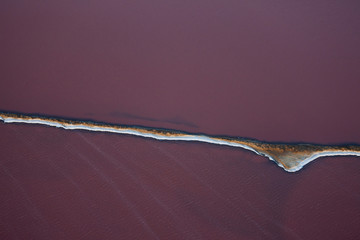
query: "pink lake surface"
284, 71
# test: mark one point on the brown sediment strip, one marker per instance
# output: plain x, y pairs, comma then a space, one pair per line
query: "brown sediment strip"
291, 157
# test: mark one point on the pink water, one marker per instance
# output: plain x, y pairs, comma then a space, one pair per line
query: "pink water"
281, 71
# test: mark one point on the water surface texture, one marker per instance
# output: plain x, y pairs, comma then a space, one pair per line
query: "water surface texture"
275, 71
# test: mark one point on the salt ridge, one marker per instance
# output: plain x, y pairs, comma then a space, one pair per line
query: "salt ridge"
291, 157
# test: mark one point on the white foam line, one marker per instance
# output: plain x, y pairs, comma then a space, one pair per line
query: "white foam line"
183, 137
197, 138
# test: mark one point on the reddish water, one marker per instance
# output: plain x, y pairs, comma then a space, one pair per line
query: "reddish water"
284, 71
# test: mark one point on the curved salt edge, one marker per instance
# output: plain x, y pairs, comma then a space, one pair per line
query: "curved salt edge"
318, 155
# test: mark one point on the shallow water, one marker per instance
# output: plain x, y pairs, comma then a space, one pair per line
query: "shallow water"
284, 72
62, 184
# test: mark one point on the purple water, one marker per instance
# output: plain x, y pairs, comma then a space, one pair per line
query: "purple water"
275, 71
